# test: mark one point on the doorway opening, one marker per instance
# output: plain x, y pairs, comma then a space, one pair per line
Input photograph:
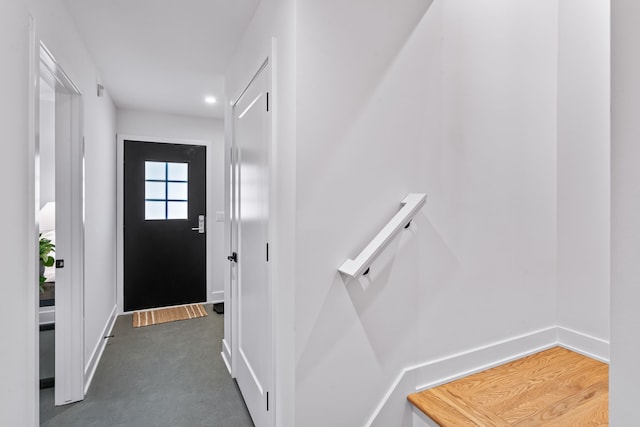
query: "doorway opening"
164, 225
163, 203
60, 194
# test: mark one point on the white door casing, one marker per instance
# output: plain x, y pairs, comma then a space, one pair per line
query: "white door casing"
69, 303
253, 351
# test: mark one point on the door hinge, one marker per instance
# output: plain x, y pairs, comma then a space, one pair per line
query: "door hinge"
267, 401
267, 101
267, 252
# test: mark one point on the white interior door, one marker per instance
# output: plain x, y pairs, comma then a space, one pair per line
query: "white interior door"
252, 130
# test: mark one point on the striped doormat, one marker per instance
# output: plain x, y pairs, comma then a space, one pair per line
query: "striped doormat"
165, 315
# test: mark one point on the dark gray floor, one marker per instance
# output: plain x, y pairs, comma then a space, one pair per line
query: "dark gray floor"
47, 353
163, 375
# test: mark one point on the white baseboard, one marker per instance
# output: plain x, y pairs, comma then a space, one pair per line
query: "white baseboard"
96, 355
226, 356
394, 408
587, 345
216, 297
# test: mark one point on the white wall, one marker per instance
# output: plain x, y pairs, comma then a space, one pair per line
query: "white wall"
583, 167
17, 223
625, 213
172, 126
19, 375
456, 99
274, 19
169, 126
57, 30
47, 118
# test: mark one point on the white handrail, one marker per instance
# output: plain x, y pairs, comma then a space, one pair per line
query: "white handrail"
410, 207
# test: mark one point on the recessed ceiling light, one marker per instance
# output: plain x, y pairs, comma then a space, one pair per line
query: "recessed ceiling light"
210, 100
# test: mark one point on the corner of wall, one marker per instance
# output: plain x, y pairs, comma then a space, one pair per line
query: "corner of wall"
584, 344
431, 373
394, 408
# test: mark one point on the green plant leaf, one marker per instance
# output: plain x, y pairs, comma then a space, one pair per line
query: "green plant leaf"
46, 247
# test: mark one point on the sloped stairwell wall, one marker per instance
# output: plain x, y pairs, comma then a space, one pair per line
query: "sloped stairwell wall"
455, 98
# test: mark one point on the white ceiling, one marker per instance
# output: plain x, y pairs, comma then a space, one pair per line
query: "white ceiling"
163, 55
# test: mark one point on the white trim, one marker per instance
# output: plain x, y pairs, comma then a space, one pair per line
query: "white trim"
226, 356
449, 368
69, 160
120, 138
482, 358
273, 233
98, 350
226, 361
216, 297
119, 222
33, 204
587, 345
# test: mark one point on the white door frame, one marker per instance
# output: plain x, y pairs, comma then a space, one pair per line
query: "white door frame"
33, 185
69, 306
230, 349
209, 220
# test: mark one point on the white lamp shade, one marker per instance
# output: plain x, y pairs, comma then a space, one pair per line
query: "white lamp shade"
48, 217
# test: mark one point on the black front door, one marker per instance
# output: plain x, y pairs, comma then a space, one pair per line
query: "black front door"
164, 211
